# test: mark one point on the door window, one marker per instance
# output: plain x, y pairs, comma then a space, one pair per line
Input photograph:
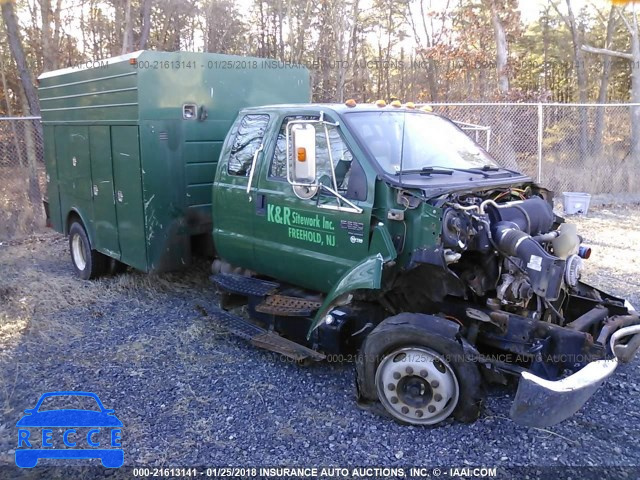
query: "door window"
246, 142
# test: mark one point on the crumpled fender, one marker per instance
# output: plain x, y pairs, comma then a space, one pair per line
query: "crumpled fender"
366, 274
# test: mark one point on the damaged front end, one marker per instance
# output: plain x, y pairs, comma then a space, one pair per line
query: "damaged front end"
509, 273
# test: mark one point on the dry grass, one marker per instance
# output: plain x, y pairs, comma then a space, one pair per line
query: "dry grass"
18, 217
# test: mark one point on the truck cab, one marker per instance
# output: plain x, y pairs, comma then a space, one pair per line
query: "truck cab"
385, 234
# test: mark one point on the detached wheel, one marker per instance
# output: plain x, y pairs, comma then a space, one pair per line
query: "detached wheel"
420, 371
417, 385
87, 263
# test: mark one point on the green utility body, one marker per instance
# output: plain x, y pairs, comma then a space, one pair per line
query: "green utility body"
378, 233
132, 145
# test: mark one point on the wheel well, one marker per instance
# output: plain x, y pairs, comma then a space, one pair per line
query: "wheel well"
73, 216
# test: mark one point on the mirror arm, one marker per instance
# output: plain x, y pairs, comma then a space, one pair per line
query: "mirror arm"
340, 197
253, 169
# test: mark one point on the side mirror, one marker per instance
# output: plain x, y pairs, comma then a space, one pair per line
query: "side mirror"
304, 153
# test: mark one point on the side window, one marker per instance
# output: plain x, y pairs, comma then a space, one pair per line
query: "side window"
247, 140
340, 153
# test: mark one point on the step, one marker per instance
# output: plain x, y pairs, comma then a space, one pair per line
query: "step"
285, 306
262, 338
242, 285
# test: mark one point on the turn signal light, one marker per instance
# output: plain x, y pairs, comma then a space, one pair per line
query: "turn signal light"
302, 154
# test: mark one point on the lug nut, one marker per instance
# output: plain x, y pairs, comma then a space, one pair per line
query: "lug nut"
424, 373
405, 410
437, 397
409, 370
391, 386
431, 408
435, 383
394, 400
397, 375
419, 413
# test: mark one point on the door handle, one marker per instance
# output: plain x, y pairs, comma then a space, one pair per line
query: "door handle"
261, 204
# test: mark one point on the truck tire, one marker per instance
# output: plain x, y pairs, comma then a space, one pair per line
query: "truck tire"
420, 370
87, 263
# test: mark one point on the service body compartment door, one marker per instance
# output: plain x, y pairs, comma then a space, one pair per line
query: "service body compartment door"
53, 193
74, 172
127, 176
104, 207
302, 241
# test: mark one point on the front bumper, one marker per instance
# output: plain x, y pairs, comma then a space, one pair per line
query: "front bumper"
541, 403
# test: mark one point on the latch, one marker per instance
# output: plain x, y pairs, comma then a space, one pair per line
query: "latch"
95, 190
120, 196
74, 161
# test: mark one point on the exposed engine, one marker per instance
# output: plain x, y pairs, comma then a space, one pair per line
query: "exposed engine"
539, 256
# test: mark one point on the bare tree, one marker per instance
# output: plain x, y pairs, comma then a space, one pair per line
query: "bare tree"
15, 45
127, 32
146, 24
634, 57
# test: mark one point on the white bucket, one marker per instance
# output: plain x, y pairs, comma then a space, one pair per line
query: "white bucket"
575, 203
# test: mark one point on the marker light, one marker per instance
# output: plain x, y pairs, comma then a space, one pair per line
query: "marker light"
427, 108
396, 104
350, 103
381, 103
410, 105
302, 154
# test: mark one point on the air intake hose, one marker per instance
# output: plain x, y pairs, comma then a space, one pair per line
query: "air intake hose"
544, 270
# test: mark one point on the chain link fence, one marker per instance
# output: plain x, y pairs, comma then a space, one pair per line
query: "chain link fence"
22, 178
566, 147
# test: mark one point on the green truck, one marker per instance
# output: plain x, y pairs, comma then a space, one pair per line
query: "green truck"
375, 233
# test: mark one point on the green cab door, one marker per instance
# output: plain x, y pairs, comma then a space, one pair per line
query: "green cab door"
127, 178
233, 207
313, 242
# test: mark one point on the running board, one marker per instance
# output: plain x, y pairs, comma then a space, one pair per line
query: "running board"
242, 285
284, 306
262, 338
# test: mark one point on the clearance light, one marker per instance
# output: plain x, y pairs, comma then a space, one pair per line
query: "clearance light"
410, 105
350, 103
381, 103
302, 154
427, 108
396, 104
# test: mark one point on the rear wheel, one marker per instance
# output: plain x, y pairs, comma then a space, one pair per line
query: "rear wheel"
87, 263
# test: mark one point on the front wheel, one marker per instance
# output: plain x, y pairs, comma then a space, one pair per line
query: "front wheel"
420, 370
417, 385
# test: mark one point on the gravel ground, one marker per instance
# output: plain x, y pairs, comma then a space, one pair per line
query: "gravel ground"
189, 394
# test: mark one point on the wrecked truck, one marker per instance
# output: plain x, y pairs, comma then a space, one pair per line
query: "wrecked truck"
376, 233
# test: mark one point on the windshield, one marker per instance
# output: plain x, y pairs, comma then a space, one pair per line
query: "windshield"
411, 141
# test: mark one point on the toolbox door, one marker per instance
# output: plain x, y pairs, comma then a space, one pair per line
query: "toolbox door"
127, 178
104, 205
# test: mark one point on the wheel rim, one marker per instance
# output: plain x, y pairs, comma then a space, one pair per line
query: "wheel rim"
417, 385
78, 253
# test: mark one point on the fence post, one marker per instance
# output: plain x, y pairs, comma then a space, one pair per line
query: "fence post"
540, 130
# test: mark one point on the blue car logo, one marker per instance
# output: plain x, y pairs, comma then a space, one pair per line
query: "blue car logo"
69, 433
